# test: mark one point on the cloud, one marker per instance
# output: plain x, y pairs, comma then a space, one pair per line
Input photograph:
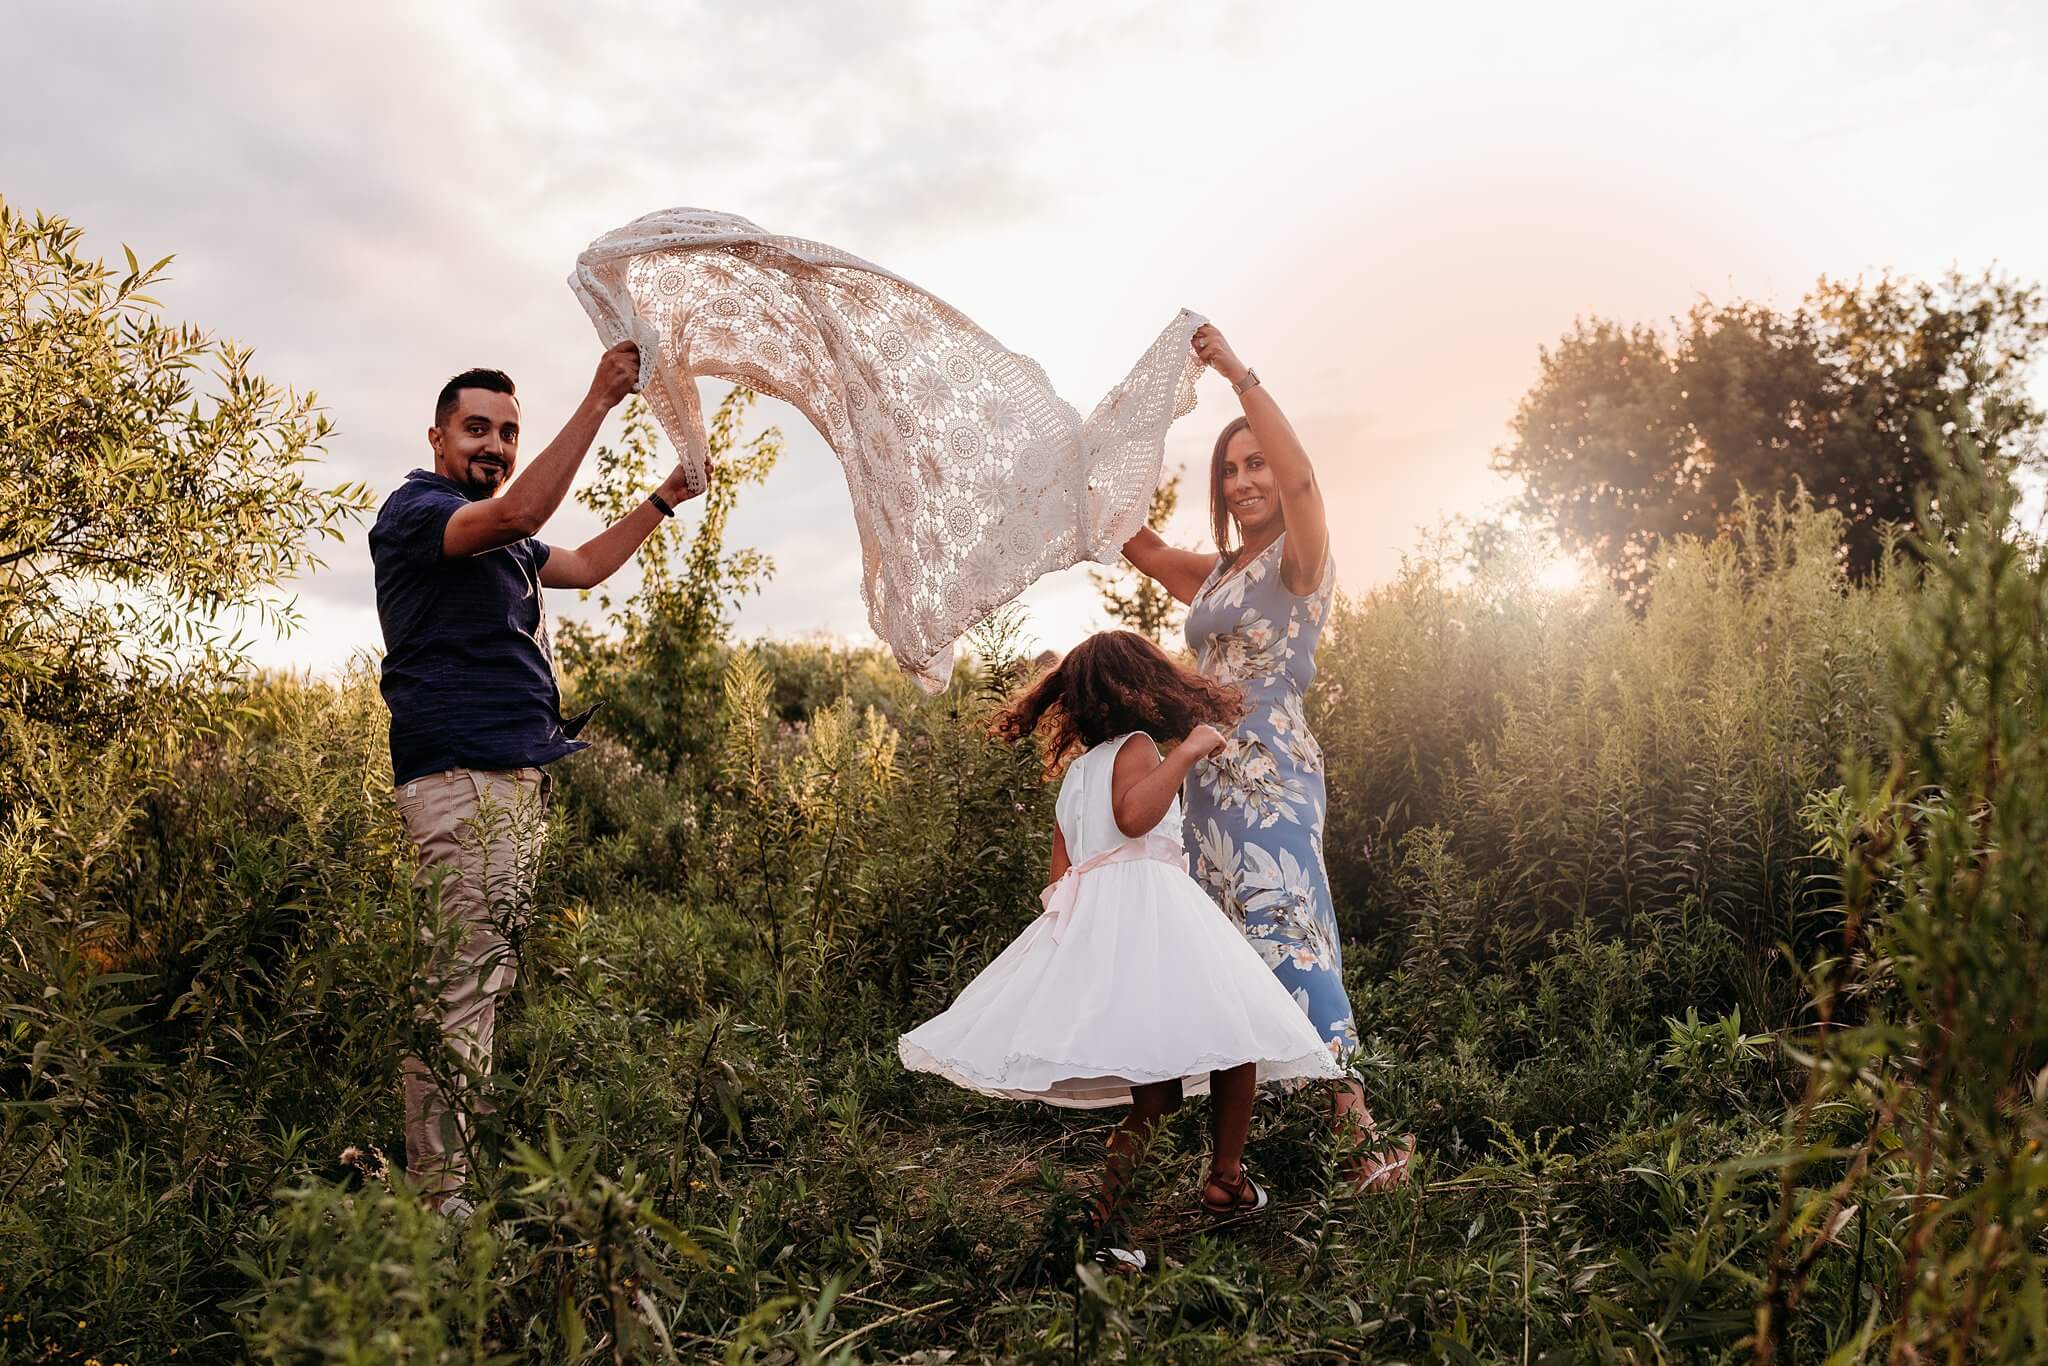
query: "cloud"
375, 199
1390, 208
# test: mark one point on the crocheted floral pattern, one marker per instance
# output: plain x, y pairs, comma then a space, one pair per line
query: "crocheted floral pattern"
970, 478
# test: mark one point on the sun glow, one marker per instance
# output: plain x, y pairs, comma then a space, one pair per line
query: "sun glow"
1563, 575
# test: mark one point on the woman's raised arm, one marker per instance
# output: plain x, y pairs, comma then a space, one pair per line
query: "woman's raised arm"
1301, 498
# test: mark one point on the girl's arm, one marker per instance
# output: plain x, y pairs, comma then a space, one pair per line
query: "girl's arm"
1301, 498
1059, 855
1143, 785
1179, 572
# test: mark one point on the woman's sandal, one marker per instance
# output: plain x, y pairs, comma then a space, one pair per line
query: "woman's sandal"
1104, 1213
1241, 1195
1383, 1170
1121, 1261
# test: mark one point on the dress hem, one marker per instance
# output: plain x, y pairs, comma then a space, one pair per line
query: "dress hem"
1042, 1077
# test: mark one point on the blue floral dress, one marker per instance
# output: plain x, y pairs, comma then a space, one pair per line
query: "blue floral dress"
1254, 828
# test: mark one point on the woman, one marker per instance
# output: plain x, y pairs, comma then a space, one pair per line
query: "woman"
1255, 810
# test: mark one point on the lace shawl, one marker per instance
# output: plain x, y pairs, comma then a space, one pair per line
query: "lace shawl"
970, 477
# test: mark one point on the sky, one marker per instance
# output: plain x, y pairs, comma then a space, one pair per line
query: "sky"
1388, 211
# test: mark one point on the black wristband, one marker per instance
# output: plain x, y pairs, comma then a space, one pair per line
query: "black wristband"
662, 503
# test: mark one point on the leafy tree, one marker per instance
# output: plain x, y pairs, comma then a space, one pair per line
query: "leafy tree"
1631, 437
658, 674
152, 486
1144, 606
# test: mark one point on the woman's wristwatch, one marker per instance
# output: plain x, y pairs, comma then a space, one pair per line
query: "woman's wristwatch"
1250, 380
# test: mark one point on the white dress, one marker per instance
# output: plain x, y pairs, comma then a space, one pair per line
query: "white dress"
1132, 975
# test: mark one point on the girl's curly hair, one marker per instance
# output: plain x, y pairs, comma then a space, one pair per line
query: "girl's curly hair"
1111, 684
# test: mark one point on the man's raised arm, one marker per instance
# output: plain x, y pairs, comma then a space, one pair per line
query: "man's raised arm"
532, 498
598, 558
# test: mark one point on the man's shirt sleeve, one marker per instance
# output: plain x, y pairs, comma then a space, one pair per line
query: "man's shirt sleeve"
413, 528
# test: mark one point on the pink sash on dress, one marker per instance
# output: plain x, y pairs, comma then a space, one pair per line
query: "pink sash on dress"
1059, 898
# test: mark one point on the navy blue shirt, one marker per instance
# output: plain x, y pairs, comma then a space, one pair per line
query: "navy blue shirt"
468, 672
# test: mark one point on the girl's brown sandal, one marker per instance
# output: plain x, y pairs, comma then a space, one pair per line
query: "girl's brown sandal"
1239, 1195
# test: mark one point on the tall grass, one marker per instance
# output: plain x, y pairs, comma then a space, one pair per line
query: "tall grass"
1595, 872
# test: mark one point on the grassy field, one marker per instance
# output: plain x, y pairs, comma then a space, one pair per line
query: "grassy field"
1597, 872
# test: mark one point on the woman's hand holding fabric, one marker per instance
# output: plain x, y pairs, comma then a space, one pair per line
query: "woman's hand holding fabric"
1214, 351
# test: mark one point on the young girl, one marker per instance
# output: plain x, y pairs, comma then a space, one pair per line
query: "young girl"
1132, 987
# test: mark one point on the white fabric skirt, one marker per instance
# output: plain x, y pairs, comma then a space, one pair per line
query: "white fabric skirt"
1147, 982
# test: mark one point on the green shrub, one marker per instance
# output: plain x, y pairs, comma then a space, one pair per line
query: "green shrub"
1598, 767
1913, 1192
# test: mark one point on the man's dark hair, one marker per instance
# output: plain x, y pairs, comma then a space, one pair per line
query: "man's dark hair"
497, 381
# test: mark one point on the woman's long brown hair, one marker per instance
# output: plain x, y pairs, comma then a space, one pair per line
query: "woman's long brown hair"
1111, 684
1219, 513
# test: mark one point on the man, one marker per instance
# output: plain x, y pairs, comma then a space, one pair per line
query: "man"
475, 711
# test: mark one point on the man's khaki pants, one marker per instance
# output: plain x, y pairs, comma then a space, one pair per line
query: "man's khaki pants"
479, 837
